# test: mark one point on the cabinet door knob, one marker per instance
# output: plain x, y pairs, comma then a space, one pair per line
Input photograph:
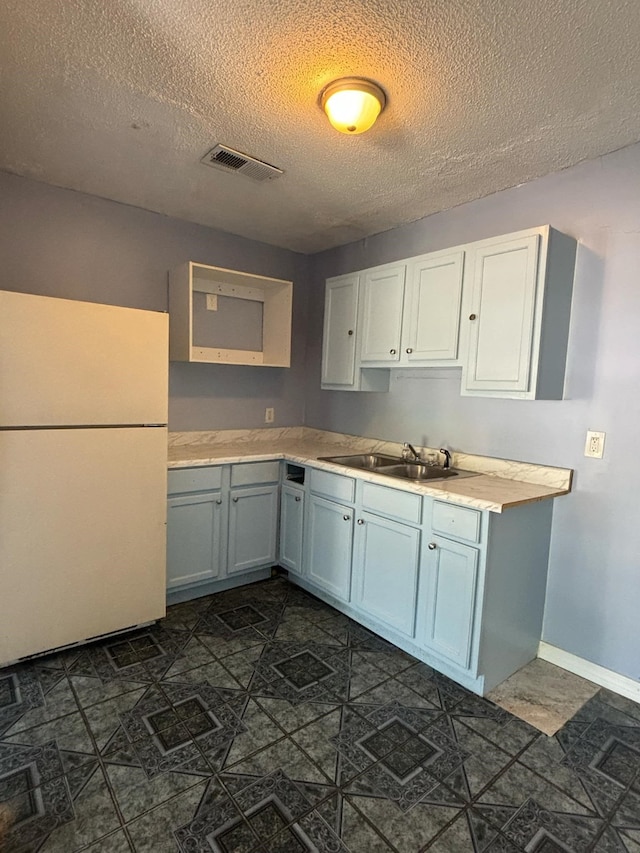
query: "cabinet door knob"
392, 351
409, 349
350, 332
298, 498
219, 501
346, 517
361, 521
472, 316
235, 500
432, 546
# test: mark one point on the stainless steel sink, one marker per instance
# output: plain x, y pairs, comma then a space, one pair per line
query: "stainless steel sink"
370, 461
394, 466
415, 471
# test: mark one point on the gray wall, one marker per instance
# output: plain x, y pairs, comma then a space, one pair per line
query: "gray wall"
593, 597
61, 243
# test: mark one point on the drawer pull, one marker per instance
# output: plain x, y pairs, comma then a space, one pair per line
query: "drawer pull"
298, 498
472, 316
361, 521
235, 500
346, 517
432, 546
409, 350
392, 351
219, 501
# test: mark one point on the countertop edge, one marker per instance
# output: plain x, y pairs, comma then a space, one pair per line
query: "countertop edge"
443, 489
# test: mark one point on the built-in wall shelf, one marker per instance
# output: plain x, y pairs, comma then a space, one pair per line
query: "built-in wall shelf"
221, 316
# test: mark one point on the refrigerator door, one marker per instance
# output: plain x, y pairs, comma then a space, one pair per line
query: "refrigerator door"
83, 538
66, 363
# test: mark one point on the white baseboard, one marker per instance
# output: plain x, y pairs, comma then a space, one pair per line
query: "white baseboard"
621, 684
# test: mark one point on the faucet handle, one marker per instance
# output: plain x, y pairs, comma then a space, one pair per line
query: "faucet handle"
447, 457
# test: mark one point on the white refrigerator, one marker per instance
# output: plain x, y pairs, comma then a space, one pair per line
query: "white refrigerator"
83, 468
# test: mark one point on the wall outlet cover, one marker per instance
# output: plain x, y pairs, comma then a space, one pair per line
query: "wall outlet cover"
594, 445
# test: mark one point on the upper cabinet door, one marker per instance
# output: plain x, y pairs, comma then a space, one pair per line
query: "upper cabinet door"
432, 308
339, 338
382, 300
501, 315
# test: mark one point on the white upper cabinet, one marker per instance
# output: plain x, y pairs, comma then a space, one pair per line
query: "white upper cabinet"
382, 301
221, 316
339, 339
517, 308
431, 319
499, 308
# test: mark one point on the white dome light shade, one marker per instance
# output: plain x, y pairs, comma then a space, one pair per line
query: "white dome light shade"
353, 104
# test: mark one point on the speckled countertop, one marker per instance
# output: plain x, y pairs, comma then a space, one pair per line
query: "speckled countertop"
499, 483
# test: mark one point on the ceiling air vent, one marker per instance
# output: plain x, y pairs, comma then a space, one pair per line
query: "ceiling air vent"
229, 160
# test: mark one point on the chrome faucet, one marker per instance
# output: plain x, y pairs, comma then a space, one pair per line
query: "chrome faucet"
447, 457
408, 451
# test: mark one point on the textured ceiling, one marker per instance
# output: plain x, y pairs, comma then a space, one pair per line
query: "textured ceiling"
121, 98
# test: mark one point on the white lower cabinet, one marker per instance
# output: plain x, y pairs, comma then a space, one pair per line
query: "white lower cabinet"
194, 538
222, 521
385, 571
253, 523
460, 588
451, 583
291, 528
329, 538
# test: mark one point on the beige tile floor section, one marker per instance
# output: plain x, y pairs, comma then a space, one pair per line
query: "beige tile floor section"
543, 695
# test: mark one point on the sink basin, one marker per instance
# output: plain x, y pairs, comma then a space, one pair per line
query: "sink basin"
393, 466
414, 471
370, 461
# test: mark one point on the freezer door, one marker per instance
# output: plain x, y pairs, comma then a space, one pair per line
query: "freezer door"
82, 534
77, 363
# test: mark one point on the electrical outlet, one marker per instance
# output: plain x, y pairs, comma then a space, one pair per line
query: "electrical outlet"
594, 445
212, 301
269, 416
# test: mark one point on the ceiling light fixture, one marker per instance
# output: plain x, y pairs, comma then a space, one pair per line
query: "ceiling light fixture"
353, 104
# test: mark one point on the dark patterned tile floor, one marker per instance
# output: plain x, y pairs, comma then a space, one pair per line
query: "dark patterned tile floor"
259, 720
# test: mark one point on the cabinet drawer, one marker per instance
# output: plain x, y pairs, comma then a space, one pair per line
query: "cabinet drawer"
248, 473
458, 521
201, 479
332, 485
393, 502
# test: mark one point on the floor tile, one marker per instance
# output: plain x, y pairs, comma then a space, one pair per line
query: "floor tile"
291, 717
409, 831
94, 816
516, 787
69, 732
316, 740
285, 755
259, 731
543, 695
136, 794
214, 673
358, 834
154, 831
116, 843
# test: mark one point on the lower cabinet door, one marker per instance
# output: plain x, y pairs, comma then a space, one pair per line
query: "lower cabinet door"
253, 527
194, 538
385, 571
330, 538
451, 571
291, 521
